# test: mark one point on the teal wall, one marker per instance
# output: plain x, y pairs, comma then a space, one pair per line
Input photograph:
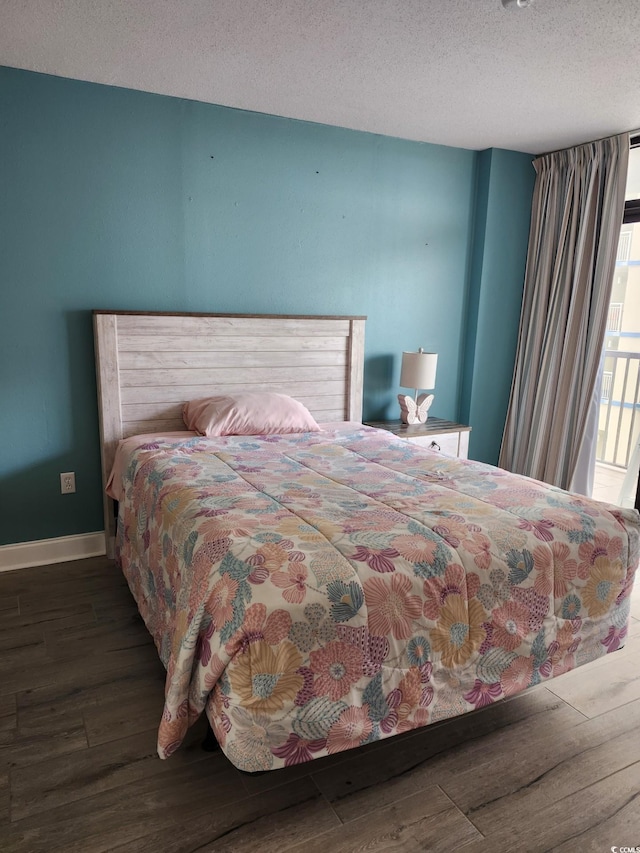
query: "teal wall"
498, 259
111, 198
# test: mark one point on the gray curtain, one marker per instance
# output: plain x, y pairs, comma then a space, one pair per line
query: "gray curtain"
578, 204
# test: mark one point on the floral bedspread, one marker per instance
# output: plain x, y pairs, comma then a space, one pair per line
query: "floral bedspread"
317, 592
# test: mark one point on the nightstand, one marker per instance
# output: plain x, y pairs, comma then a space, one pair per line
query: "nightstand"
436, 433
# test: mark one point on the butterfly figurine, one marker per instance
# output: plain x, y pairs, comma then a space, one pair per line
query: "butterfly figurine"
415, 411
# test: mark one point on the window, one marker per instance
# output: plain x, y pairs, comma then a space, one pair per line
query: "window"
607, 380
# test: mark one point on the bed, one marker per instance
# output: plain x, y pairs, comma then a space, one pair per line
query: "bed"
316, 591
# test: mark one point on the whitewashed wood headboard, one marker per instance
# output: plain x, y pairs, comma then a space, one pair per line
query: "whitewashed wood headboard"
150, 364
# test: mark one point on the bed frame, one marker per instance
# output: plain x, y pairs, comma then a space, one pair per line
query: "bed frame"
149, 364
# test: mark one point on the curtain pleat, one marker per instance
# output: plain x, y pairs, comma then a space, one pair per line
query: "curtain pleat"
577, 210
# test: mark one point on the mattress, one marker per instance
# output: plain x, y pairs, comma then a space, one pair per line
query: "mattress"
315, 592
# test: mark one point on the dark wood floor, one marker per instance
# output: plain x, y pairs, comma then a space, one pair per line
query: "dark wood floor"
80, 698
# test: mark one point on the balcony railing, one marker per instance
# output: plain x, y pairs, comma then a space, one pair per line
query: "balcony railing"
619, 418
614, 318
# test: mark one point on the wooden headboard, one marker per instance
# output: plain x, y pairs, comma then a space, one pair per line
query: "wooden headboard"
150, 364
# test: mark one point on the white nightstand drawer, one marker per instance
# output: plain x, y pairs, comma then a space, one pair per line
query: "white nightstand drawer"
446, 442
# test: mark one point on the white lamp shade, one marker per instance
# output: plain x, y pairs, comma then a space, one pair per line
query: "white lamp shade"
418, 370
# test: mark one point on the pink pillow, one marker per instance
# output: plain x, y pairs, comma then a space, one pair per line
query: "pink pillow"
248, 413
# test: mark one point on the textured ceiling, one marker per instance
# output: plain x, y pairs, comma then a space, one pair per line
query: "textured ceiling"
467, 73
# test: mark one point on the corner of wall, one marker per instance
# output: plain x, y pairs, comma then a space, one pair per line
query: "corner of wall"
478, 213
504, 191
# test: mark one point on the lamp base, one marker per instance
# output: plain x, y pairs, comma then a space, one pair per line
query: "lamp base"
412, 411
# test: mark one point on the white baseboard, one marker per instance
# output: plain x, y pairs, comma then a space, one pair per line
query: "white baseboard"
45, 551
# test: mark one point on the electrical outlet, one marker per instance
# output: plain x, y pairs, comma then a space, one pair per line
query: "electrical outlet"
68, 483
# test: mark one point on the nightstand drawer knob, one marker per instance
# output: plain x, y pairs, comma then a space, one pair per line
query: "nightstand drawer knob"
434, 445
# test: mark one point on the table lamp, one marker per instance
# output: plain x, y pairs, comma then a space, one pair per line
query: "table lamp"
418, 371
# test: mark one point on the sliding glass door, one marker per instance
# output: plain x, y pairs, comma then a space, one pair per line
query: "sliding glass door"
618, 443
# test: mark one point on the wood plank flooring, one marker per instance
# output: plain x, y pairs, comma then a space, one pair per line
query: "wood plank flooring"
81, 693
